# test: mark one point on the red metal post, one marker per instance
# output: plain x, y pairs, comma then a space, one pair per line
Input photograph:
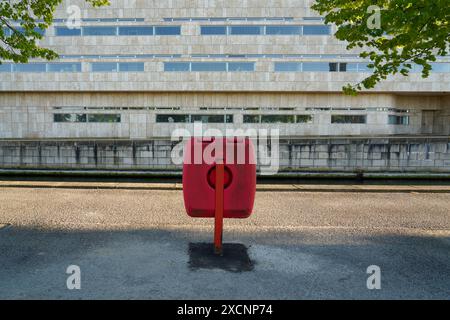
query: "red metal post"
218, 223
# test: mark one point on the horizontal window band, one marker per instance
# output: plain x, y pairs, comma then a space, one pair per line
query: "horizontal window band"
234, 108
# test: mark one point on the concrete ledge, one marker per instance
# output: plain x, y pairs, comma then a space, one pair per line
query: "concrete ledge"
260, 187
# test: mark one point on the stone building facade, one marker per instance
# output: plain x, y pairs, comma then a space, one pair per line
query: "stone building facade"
137, 70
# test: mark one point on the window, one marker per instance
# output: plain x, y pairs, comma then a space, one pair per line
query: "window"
117, 67
208, 66
213, 30
252, 118
172, 118
212, 118
103, 117
68, 117
131, 66
313, 67
29, 67
241, 66
99, 31
348, 119
266, 30
352, 67
246, 30
363, 67
277, 118
38, 30
67, 32
64, 67
168, 31
398, 120
104, 67
5, 67
177, 66
229, 118
6, 31
333, 67
316, 67
316, 30
283, 30
121, 30
440, 67
304, 118
136, 31
288, 67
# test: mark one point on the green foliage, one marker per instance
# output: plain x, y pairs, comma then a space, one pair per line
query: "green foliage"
411, 31
19, 45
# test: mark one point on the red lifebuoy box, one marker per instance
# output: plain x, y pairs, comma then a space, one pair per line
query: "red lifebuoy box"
238, 172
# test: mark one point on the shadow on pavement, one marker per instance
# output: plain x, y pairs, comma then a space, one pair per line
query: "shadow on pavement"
235, 257
161, 263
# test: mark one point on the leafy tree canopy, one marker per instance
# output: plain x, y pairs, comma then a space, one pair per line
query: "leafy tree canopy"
21, 22
393, 34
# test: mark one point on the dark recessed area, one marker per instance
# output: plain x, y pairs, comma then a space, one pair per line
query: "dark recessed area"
235, 257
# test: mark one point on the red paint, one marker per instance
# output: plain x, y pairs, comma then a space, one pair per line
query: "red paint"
239, 179
218, 222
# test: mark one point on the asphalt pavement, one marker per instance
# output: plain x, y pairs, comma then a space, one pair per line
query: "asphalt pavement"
140, 244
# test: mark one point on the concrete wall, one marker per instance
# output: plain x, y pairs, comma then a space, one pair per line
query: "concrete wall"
30, 115
347, 155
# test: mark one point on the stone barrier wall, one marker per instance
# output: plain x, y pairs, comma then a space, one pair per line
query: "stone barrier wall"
393, 154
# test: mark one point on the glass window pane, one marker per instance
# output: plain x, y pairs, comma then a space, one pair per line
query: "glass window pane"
103, 117
172, 118
316, 30
245, 30
283, 30
64, 67
99, 31
241, 66
229, 118
131, 67
38, 30
352, 67
81, 118
5, 67
29, 67
176, 66
304, 118
6, 31
208, 66
63, 117
213, 30
362, 67
251, 118
104, 67
440, 67
333, 67
167, 31
347, 119
398, 120
316, 67
208, 118
136, 31
288, 66
64, 31
275, 118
